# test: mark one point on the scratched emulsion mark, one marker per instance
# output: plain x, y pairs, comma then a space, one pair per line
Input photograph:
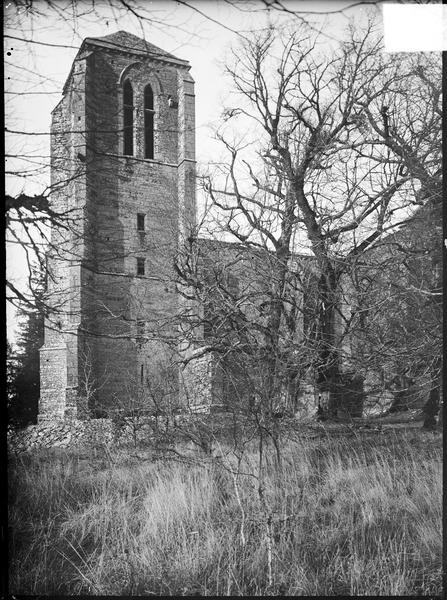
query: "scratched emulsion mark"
414, 27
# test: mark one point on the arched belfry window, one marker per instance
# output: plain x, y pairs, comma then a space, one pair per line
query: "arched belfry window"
148, 122
128, 118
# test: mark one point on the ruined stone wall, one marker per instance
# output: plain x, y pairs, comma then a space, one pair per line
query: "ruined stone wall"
231, 313
395, 318
197, 384
62, 434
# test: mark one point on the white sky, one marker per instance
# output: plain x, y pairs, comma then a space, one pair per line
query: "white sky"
35, 73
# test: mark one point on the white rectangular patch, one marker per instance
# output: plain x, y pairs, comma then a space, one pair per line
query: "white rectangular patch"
414, 27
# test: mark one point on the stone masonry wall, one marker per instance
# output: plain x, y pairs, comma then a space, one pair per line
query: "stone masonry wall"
120, 189
197, 382
111, 315
59, 355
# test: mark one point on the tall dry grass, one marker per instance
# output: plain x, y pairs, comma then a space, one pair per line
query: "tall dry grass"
347, 518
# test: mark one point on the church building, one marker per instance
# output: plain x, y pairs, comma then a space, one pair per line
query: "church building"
127, 325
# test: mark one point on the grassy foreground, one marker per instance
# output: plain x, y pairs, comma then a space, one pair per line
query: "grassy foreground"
347, 517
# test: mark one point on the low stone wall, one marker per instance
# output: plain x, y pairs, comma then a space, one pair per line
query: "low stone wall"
88, 433
121, 430
62, 434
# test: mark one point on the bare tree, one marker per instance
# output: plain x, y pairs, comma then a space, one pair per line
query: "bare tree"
328, 160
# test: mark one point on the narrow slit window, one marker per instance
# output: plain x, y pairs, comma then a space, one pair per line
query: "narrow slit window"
140, 329
148, 122
140, 266
128, 118
142, 374
140, 221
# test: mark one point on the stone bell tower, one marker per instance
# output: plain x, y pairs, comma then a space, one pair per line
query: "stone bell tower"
123, 174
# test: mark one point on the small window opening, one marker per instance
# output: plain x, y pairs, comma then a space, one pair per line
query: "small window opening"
128, 118
140, 330
148, 122
140, 266
142, 374
140, 221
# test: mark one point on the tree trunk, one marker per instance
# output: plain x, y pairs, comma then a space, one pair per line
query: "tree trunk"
441, 414
273, 350
431, 408
328, 374
402, 396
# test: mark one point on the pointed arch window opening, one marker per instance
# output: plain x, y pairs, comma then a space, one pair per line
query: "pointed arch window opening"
128, 124
149, 113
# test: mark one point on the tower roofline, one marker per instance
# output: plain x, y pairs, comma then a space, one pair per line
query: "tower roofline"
122, 41
132, 44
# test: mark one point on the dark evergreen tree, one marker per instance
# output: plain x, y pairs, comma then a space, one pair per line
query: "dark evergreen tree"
23, 367
11, 374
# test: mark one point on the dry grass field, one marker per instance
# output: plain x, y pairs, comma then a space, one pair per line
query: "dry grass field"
347, 516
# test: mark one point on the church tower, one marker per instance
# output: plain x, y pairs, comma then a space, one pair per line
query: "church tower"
123, 174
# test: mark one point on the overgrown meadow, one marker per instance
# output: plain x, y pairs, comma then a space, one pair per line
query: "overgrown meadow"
345, 517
